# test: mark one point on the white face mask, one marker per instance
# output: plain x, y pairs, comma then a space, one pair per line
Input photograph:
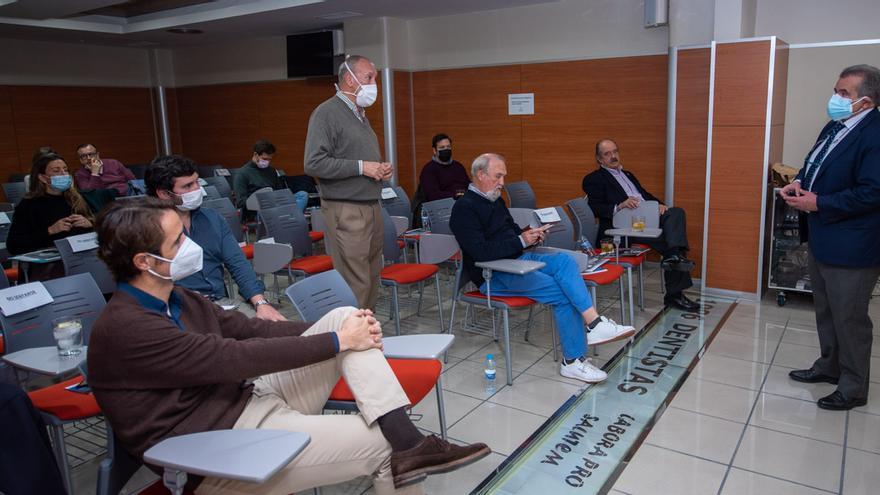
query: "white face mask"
191, 200
187, 261
262, 163
367, 93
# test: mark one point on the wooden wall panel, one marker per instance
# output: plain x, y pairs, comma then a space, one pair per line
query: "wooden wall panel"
576, 104
117, 120
741, 75
470, 105
737, 181
220, 124
173, 120
403, 119
691, 136
732, 257
9, 161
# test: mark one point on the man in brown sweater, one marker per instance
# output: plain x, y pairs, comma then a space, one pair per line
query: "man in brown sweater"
165, 361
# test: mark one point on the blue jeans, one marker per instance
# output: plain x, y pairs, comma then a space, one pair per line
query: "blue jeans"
558, 284
301, 198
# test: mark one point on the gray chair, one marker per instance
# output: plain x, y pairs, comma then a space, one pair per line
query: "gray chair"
327, 291
14, 192
439, 212
4, 234
7, 207
398, 274
221, 184
399, 206
523, 217
137, 187
252, 203
78, 296
4, 281
86, 262
206, 171
269, 198
288, 225
520, 195
211, 192
561, 234
224, 207
138, 170
270, 258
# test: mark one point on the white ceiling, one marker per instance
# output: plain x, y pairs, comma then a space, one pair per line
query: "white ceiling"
221, 20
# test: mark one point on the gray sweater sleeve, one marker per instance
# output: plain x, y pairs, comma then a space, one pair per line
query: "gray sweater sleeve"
319, 157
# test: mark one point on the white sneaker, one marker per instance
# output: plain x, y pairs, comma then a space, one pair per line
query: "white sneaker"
582, 370
608, 331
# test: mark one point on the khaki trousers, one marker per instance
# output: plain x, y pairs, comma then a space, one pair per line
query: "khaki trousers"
354, 239
343, 446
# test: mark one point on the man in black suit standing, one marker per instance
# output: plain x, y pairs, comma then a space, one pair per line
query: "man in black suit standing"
838, 189
611, 188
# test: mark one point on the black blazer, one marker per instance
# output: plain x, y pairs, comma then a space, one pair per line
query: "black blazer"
846, 229
604, 193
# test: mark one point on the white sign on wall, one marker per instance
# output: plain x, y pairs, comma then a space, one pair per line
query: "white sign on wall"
521, 104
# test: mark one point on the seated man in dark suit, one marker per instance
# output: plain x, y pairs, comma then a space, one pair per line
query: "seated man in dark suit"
610, 188
485, 231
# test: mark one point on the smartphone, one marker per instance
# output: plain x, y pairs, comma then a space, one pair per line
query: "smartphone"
80, 388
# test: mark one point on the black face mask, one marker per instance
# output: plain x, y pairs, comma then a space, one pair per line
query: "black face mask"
444, 155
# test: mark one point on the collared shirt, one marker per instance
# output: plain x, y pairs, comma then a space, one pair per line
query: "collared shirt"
209, 230
172, 310
628, 187
848, 125
360, 113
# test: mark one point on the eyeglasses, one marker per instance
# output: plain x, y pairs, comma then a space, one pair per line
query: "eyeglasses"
88, 155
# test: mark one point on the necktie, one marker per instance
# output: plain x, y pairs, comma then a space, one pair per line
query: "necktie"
814, 165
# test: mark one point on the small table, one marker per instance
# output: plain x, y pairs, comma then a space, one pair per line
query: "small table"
45, 360
42, 256
618, 233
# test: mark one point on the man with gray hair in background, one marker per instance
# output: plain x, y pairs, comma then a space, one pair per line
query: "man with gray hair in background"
342, 151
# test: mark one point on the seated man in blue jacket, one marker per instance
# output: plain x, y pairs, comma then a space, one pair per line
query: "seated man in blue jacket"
176, 178
485, 231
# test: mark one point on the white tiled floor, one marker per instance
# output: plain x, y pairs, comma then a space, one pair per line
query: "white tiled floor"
738, 425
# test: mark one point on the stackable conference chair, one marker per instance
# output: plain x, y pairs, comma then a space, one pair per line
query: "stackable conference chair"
136, 187
14, 192
563, 238
523, 217
86, 262
221, 185
12, 272
520, 195
439, 212
415, 359
211, 192
206, 171
138, 170
502, 303
623, 220
397, 274
399, 206
288, 225
79, 296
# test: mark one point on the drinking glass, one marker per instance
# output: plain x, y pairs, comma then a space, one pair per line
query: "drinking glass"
67, 331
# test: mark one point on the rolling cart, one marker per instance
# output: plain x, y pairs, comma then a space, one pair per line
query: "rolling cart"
788, 256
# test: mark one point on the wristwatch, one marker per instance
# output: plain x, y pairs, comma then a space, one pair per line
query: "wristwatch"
260, 303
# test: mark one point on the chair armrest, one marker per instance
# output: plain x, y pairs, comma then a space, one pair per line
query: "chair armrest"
518, 267
426, 346
243, 455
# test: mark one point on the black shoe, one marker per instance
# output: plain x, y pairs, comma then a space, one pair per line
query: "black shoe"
682, 302
837, 402
810, 376
677, 263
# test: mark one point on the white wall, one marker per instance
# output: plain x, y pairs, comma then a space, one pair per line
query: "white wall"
241, 60
565, 30
43, 63
814, 21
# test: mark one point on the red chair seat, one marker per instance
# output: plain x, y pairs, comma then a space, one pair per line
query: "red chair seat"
11, 274
2, 345
456, 256
511, 301
312, 264
401, 243
248, 250
316, 236
408, 273
64, 404
416, 376
412, 237
612, 273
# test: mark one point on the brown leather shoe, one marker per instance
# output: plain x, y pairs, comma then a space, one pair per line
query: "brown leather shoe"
432, 456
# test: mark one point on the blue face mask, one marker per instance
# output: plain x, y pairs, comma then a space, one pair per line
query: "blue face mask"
61, 182
840, 108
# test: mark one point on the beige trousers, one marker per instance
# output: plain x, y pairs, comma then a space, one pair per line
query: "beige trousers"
343, 446
354, 238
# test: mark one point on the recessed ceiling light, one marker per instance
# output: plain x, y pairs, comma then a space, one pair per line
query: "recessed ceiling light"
185, 31
335, 16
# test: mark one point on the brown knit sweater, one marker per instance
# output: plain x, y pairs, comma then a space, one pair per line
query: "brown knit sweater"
154, 381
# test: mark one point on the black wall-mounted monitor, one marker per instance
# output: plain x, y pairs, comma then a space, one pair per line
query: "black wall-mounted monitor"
310, 54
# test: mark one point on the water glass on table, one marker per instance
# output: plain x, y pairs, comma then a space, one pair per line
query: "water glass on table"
67, 331
638, 223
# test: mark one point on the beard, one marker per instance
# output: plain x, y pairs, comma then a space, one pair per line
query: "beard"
493, 195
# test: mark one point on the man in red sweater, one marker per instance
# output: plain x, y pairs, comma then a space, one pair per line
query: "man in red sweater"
165, 361
97, 173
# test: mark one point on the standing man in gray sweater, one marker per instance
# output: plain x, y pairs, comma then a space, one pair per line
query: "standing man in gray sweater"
342, 151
